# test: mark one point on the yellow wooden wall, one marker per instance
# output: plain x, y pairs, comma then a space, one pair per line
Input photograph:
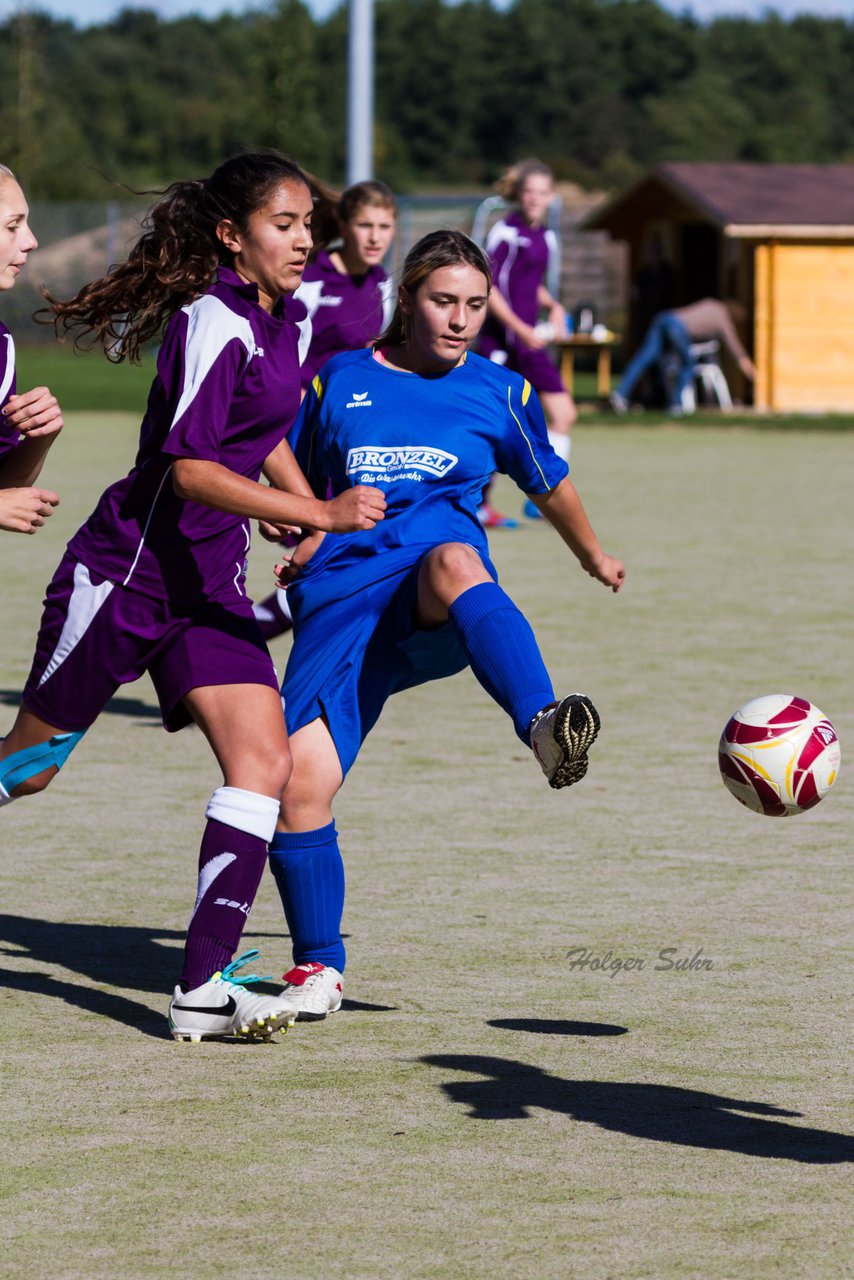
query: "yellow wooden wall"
804, 326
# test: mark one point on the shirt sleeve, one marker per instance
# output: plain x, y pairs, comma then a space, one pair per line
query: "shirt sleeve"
200, 363
304, 438
497, 248
524, 452
9, 438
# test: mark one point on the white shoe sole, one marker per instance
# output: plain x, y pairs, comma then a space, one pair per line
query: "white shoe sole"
262, 1030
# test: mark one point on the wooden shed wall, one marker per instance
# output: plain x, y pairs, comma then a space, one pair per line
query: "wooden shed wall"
804, 326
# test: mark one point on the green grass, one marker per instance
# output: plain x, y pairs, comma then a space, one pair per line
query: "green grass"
479, 1108
85, 380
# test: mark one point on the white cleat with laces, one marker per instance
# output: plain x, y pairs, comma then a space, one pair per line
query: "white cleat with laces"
223, 1007
312, 990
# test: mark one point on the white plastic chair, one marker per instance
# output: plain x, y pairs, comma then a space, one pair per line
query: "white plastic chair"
709, 374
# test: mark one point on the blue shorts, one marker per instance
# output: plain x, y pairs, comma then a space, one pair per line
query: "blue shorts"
96, 635
351, 655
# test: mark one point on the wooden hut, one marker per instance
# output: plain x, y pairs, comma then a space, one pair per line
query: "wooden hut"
779, 238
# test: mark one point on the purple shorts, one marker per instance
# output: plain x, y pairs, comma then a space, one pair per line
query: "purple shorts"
96, 635
537, 366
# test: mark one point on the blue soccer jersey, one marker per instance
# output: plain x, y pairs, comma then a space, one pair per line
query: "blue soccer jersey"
430, 443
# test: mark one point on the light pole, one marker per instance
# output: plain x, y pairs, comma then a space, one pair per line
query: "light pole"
360, 92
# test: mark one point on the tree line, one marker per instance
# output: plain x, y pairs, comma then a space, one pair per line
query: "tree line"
601, 89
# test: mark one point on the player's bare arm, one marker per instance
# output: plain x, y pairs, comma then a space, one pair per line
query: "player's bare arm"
38, 417
504, 314
201, 480
563, 509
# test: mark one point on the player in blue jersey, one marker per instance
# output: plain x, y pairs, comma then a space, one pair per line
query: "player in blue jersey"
155, 578
416, 598
31, 421
345, 290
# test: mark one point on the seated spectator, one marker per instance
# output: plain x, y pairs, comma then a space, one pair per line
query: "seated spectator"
670, 336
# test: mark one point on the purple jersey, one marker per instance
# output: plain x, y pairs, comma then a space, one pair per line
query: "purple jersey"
226, 391
8, 437
346, 311
519, 256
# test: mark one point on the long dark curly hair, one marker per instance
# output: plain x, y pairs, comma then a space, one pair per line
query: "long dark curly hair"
174, 260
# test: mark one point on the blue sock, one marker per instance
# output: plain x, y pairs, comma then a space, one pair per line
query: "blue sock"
503, 653
309, 875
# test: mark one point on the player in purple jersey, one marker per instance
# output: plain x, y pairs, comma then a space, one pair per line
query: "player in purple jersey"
519, 249
416, 598
346, 292
155, 579
344, 285
30, 422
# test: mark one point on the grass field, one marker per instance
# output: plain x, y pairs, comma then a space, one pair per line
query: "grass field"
84, 381
480, 1108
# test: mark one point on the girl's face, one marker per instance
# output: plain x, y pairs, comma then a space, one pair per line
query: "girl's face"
445, 316
535, 197
367, 236
273, 250
16, 238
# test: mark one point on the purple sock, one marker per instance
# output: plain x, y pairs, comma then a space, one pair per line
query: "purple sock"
231, 863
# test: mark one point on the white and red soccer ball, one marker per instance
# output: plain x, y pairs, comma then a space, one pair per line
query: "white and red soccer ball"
779, 755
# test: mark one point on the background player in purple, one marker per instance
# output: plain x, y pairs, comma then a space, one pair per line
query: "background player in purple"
344, 285
345, 290
519, 249
30, 422
155, 578
416, 598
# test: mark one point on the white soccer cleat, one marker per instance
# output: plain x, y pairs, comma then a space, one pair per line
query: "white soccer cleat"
562, 735
312, 990
223, 1007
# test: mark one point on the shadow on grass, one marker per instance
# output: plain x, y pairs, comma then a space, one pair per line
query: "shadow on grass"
113, 955
663, 1113
107, 1005
133, 957
118, 706
557, 1027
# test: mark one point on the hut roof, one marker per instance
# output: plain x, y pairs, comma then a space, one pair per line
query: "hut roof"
751, 199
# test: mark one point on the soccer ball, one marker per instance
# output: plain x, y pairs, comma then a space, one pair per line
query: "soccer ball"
779, 755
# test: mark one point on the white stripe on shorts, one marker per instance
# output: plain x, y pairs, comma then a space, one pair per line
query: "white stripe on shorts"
86, 600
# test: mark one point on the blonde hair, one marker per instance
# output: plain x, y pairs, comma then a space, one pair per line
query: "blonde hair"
430, 253
509, 185
371, 195
6, 172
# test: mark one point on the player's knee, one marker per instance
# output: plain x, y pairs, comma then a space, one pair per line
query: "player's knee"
268, 766
306, 802
454, 565
31, 769
34, 784
278, 768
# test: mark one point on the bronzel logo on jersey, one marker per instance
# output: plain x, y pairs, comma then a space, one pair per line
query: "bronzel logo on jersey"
386, 460
360, 400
